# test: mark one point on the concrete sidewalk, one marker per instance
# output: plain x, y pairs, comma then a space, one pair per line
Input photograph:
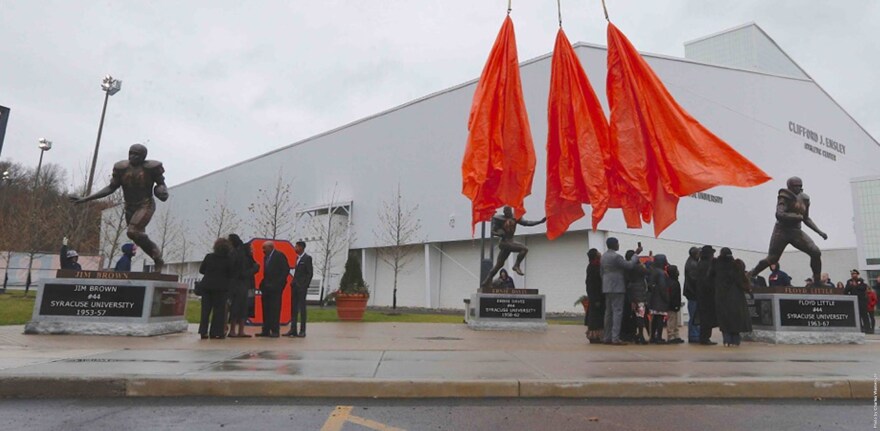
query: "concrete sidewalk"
421, 360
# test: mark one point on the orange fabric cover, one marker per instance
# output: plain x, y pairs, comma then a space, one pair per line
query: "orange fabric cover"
577, 135
499, 161
659, 151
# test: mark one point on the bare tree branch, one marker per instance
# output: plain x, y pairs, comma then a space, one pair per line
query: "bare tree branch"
273, 212
398, 229
113, 228
222, 220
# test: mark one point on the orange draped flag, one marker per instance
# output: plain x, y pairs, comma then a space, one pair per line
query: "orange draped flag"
658, 150
499, 161
577, 135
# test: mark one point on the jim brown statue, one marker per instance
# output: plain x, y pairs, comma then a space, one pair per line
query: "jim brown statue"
137, 177
792, 208
504, 226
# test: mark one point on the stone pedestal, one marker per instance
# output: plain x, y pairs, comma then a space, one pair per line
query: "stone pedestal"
507, 311
799, 315
109, 303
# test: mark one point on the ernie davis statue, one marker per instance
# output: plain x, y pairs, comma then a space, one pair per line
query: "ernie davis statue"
504, 226
140, 179
792, 208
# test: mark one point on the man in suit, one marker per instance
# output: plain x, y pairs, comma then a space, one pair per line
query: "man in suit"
275, 272
613, 267
302, 277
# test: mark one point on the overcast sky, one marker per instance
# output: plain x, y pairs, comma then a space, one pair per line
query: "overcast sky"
211, 83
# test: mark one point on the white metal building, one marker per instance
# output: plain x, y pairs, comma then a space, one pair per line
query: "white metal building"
738, 83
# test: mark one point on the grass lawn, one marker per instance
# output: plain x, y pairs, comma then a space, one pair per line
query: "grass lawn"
17, 309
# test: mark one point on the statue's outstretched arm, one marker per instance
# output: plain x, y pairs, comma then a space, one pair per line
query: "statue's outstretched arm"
522, 222
106, 191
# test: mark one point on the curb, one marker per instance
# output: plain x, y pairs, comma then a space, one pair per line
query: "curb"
78, 387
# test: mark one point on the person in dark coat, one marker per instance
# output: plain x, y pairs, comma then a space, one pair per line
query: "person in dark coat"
596, 310
503, 281
690, 292
637, 295
242, 283
706, 298
658, 302
276, 269
856, 286
124, 262
731, 286
218, 270
673, 322
778, 277
302, 277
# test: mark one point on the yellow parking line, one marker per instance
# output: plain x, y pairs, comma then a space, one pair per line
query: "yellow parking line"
337, 419
342, 414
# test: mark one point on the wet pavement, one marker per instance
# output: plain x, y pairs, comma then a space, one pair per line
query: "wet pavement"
423, 352
190, 414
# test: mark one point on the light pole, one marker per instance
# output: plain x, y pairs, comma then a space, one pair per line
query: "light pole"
4, 182
110, 86
44, 145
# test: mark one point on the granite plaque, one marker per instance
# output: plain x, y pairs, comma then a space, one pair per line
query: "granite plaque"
511, 308
92, 300
817, 313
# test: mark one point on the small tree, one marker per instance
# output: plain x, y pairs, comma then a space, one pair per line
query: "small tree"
333, 240
185, 244
398, 230
113, 228
273, 210
167, 233
352, 281
222, 220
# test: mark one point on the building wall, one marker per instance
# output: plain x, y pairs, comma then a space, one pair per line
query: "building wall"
866, 198
556, 268
772, 120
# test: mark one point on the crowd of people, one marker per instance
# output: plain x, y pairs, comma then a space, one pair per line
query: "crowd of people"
634, 299
228, 282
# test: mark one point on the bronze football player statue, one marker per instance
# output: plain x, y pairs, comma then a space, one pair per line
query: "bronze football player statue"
792, 208
140, 179
504, 226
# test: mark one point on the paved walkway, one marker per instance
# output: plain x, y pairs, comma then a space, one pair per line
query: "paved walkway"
425, 360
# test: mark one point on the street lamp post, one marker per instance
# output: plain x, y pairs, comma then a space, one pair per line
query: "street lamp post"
44, 145
110, 86
4, 182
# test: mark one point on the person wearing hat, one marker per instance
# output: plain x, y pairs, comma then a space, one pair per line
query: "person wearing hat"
778, 277
69, 257
706, 295
613, 268
124, 262
857, 287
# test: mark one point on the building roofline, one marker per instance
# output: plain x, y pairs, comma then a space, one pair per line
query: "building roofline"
795, 63
522, 64
719, 33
